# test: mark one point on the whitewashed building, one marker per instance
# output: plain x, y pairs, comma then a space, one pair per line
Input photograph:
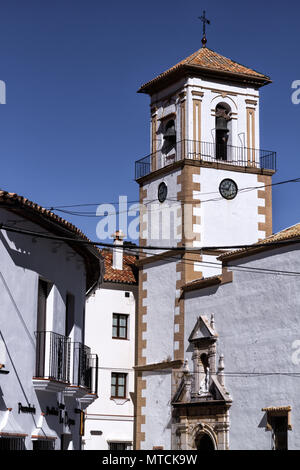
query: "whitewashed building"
110, 330
246, 340
205, 186
47, 374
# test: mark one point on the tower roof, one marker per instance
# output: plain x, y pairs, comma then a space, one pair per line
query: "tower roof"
206, 63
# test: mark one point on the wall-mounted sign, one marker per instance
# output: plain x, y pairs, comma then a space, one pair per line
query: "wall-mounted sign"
52, 411
26, 409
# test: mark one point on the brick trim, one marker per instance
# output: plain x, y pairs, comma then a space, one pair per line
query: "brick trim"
205, 164
143, 224
141, 343
266, 209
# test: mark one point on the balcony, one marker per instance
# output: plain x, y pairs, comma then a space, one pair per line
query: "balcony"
52, 368
206, 154
84, 372
63, 365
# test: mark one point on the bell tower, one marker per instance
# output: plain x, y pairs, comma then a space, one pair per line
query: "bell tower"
205, 184
204, 153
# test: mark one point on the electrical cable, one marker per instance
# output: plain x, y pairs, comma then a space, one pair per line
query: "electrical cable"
85, 213
179, 249
215, 265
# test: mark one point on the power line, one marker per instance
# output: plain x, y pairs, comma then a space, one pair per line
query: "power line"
62, 208
249, 374
215, 265
134, 247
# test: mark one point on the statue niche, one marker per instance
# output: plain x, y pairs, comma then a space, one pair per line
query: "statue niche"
201, 402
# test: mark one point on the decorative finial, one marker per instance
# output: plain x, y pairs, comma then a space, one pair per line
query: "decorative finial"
221, 377
205, 21
212, 321
186, 366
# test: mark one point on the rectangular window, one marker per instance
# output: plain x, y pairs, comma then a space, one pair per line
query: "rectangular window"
120, 445
12, 443
118, 385
120, 326
43, 444
278, 421
44, 289
280, 432
70, 313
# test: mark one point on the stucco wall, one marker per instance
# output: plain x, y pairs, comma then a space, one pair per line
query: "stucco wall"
230, 222
157, 411
162, 220
160, 303
238, 97
23, 260
159, 335
257, 319
114, 418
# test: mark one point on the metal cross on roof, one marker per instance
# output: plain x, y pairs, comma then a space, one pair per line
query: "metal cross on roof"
205, 21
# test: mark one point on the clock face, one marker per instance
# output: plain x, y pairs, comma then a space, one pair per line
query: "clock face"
228, 189
162, 192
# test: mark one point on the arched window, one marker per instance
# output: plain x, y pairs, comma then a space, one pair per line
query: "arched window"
204, 442
170, 134
222, 130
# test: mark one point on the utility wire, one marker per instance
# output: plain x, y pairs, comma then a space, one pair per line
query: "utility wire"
62, 208
134, 247
250, 374
216, 265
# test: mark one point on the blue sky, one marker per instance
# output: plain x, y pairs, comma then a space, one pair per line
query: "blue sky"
73, 124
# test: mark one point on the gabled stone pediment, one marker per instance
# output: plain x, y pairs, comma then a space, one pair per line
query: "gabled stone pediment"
218, 391
203, 330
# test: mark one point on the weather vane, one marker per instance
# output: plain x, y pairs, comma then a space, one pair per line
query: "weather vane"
205, 21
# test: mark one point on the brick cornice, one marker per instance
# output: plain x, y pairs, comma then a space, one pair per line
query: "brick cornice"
160, 365
198, 163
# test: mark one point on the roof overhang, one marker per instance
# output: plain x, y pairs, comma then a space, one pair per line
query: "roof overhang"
57, 226
185, 70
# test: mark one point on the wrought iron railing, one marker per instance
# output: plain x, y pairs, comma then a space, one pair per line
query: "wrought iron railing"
85, 367
205, 152
52, 356
57, 358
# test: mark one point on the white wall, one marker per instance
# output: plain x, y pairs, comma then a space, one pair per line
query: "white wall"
160, 303
162, 219
113, 417
159, 336
257, 320
157, 411
23, 259
229, 222
214, 92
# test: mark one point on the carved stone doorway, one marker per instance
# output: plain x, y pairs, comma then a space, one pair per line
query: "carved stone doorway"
204, 442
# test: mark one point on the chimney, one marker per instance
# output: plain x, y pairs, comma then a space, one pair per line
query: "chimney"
118, 252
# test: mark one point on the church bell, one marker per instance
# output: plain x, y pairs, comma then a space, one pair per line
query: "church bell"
222, 124
170, 133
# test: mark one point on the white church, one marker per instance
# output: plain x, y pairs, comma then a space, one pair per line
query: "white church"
217, 328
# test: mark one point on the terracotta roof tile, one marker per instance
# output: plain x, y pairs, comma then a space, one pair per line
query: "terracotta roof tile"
13, 198
58, 226
128, 275
207, 60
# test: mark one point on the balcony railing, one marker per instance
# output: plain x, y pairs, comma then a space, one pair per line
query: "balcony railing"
85, 368
58, 359
52, 356
205, 152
